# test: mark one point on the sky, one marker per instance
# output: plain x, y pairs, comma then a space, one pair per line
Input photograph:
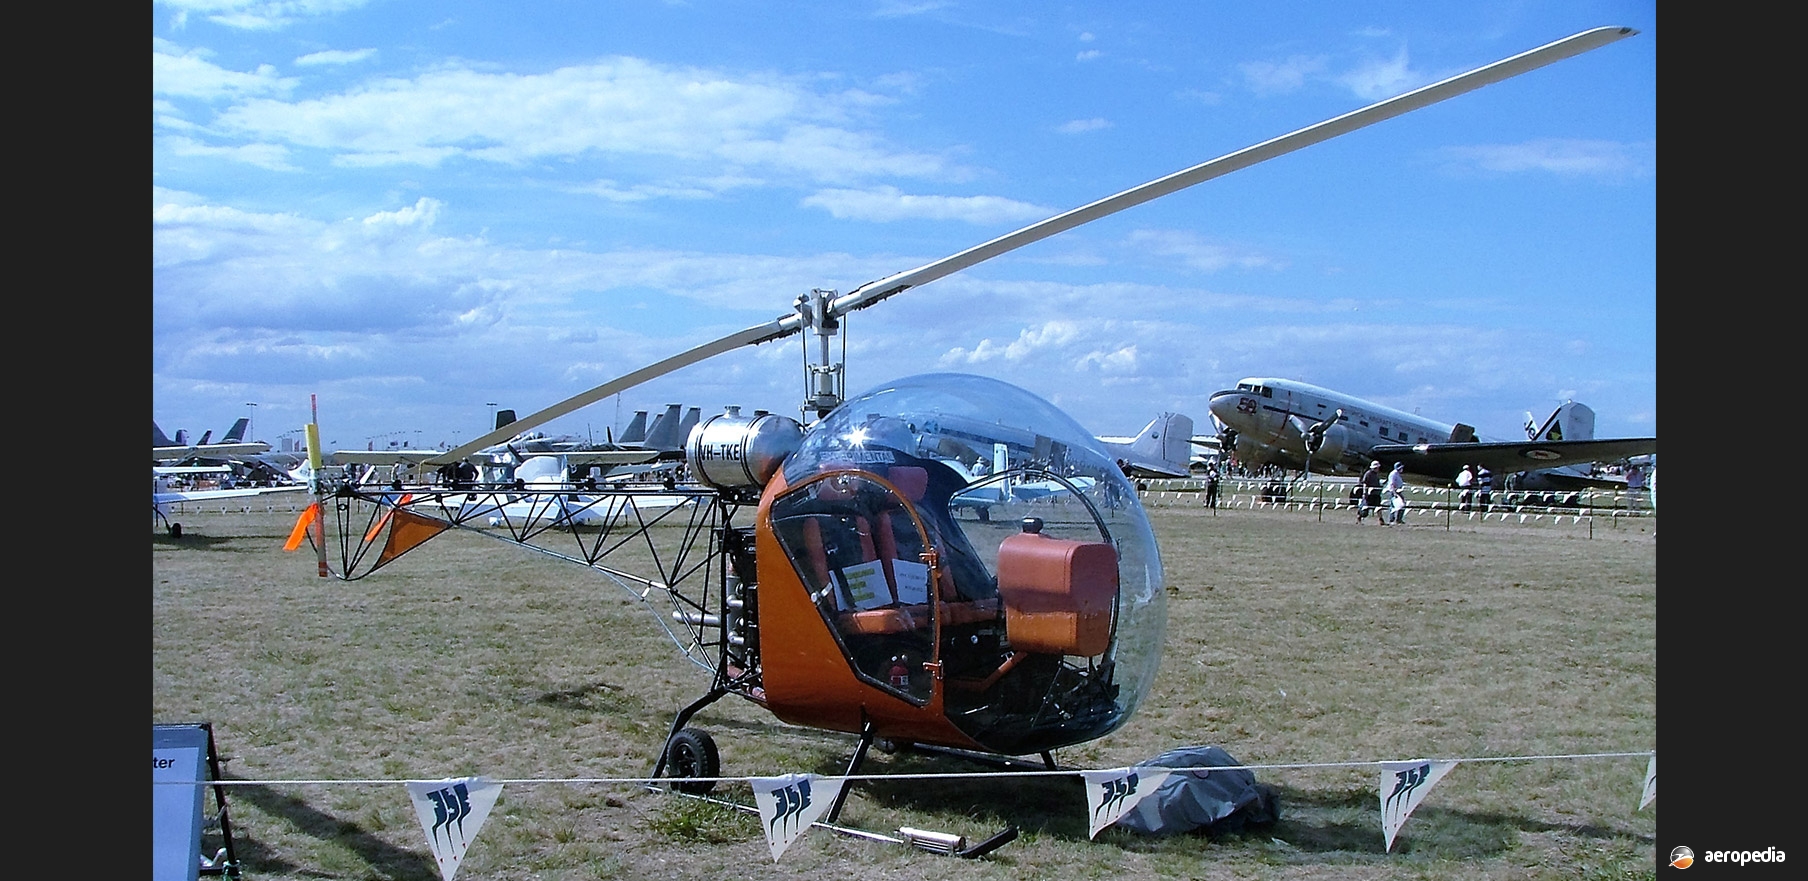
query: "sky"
416, 213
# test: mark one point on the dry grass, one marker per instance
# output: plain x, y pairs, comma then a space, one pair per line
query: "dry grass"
1292, 640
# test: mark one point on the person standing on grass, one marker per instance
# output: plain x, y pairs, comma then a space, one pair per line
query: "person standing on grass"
1396, 494
1370, 498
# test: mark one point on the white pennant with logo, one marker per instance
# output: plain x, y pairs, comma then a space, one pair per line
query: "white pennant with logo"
1403, 786
451, 812
1650, 784
1111, 794
789, 804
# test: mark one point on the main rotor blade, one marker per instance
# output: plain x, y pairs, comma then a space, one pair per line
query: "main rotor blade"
771, 330
873, 292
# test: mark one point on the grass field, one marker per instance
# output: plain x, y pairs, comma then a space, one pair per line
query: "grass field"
1292, 640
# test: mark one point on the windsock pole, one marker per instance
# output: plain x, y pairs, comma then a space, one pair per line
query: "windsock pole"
319, 525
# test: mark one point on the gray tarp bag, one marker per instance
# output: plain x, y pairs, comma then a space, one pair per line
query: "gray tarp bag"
1213, 801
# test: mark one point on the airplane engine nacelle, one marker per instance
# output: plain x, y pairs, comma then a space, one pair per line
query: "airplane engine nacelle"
1336, 440
729, 451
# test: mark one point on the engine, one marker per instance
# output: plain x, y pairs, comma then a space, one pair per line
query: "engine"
729, 451
1331, 450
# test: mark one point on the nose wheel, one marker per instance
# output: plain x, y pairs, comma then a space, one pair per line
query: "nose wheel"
691, 752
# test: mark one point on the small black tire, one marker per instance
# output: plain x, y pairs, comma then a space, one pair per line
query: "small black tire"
692, 753
175, 530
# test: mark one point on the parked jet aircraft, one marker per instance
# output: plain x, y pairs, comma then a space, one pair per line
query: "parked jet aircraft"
165, 449
1302, 426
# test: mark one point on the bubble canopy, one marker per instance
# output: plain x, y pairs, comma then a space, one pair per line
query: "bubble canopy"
1001, 482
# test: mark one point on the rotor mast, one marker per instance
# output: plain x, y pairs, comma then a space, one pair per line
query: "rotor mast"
824, 381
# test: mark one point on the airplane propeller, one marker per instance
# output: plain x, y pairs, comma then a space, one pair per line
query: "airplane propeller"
820, 310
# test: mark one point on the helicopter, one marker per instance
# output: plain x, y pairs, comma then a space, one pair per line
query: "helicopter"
823, 569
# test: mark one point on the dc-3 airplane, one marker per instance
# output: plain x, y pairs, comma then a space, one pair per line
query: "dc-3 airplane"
819, 571
1302, 426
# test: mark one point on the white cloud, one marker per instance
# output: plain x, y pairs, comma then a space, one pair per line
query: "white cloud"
1198, 253
1563, 157
274, 157
335, 56
1078, 126
889, 203
620, 106
1276, 78
187, 74
1383, 78
257, 15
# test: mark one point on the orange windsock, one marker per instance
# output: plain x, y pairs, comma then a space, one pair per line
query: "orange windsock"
308, 515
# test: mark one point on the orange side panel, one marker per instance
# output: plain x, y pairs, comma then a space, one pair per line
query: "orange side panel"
407, 532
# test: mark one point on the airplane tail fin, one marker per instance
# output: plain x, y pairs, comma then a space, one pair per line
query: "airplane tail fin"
504, 417
636, 432
1571, 422
691, 418
236, 434
664, 433
158, 438
1167, 439
206, 438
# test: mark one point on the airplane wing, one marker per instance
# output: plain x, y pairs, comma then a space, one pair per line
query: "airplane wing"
166, 454
382, 457
1445, 460
208, 495
610, 457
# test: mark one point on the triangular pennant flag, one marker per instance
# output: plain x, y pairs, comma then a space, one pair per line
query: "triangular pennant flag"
1403, 785
789, 804
1650, 784
1110, 794
451, 812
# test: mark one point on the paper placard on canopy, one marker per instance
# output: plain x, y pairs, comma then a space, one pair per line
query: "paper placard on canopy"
789, 804
1650, 784
1109, 794
1403, 785
451, 812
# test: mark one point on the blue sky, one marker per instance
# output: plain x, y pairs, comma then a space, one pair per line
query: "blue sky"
414, 209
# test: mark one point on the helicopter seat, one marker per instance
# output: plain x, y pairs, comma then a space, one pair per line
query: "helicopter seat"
1058, 594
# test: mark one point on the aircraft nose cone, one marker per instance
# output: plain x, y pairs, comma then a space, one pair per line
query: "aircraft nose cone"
1223, 405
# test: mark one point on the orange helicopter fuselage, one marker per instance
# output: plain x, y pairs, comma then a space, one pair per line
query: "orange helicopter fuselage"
808, 677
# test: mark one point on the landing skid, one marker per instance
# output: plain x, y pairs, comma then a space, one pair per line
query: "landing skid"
934, 842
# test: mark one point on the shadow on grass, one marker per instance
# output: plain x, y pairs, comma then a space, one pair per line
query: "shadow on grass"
385, 859
191, 541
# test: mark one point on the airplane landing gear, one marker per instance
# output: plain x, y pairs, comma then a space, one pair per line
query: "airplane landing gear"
691, 752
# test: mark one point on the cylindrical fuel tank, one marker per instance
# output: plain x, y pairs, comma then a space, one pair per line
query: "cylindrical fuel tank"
731, 451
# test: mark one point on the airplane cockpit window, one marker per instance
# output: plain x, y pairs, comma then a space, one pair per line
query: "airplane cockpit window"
970, 513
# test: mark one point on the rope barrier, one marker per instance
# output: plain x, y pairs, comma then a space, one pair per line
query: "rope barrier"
650, 781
